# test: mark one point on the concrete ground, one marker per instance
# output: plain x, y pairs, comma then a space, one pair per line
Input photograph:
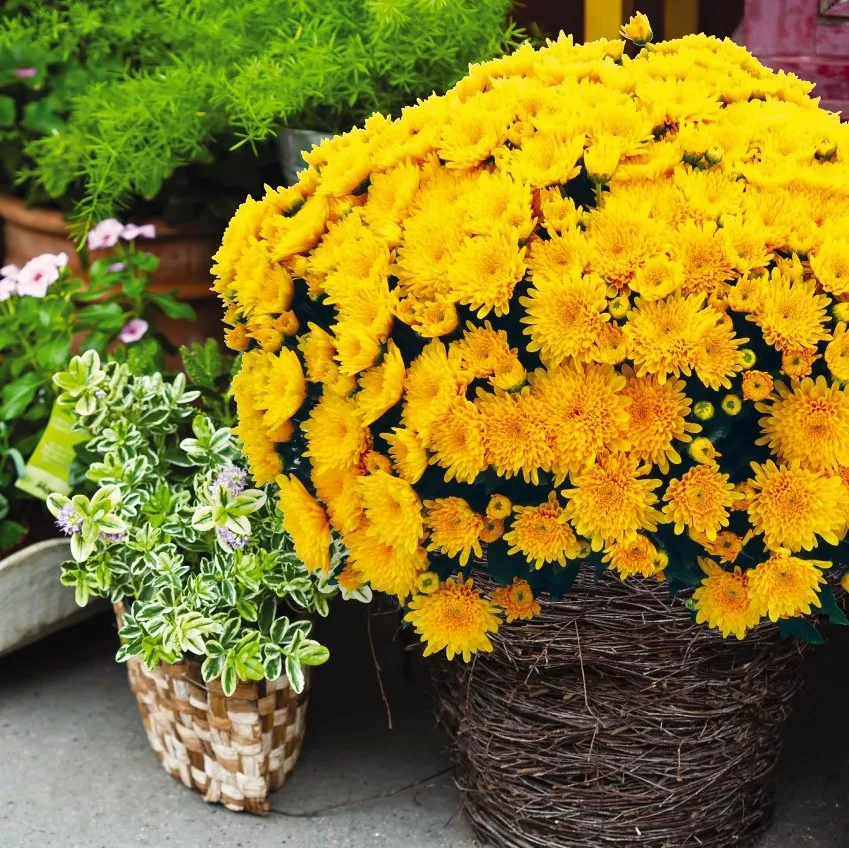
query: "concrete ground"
76, 770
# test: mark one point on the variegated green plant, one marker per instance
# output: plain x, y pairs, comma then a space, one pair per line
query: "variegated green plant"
174, 530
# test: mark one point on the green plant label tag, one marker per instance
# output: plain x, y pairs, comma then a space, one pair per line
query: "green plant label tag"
49, 467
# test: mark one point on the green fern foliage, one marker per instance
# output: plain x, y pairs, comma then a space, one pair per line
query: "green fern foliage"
199, 71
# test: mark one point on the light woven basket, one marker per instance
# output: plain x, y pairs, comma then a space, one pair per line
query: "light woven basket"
233, 750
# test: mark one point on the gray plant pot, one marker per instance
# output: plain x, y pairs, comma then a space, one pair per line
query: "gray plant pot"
33, 603
290, 144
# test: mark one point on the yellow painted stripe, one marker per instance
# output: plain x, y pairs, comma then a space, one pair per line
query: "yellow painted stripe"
602, 19
680, 17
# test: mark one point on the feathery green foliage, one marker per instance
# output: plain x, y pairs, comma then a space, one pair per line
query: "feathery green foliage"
209, 72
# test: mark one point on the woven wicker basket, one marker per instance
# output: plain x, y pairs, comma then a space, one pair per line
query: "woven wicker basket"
233, 750
610, 719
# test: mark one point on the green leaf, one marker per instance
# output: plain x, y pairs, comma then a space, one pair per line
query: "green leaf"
295, 674
10, 534
229, 679
313, 653
105, 317
172, 307
801, 628
18, 395
212, 667
829, 607
7, 111
273, 667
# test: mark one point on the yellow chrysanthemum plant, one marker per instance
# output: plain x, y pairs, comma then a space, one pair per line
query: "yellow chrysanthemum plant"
587, 310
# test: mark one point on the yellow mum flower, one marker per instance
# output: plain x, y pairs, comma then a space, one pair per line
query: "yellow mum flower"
455, 528
611, 346
258, 447
408, 455
563, 255
541, 534
623, 240
385, 569
794, 505
431, 387
545, 159
381, 387
718, 356
593, 400
703, 451
455, 618
657, 417
236, 338
611, 501
338, 490
262, 283
723, 601
486, 353
665, 335
514, 434
808, 422
559, 214
837, 354
487, 269
634, 558
357, 347
457, 442
757, 385
336, 435
498, 196
727, 546
564, 315
790, 313
471, 134
517, 601
393, 510
658, 278
285, 389
319, 351
830, 264
305, 522
706, 256
785, 585
798, 362
700, 501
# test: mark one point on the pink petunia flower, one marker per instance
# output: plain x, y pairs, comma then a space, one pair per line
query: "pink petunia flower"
105, 234
7, 288
133, 231
40, 273
25, 73
10, 271
133, 330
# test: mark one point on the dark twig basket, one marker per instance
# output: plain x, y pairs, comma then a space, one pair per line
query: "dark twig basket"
235, 749
611, 720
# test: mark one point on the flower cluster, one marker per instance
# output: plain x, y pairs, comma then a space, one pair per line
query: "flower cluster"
584, 308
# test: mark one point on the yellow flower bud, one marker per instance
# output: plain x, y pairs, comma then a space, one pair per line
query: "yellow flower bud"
427, 582
602, 159
731, 405
638, 30
704, 410
498, 507
703, 451
618, 307
747, 357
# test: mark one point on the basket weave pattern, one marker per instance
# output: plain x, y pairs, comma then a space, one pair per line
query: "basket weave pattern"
612, 720
233, 750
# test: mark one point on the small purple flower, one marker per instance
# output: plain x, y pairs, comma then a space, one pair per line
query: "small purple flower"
231, 539
100, 394
113, 537
105, 234
133, 231
231, 478
133, 330
68, 521
25, 73
40, 273
115, 267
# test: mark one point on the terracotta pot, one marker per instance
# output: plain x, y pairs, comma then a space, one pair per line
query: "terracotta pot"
184, 252
184, 255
